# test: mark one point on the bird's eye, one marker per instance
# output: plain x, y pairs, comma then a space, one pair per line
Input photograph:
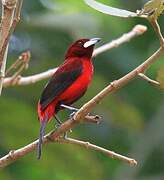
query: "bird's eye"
80, 43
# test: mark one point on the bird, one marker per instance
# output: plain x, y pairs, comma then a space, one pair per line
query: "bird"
68, 84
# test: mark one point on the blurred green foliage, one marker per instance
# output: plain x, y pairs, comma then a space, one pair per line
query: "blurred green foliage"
130, 116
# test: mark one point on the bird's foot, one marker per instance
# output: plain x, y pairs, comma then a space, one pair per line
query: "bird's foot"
73, 110
58, 122
65, 136
71, 116
57, 125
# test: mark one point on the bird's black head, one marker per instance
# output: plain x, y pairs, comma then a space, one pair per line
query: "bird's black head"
82, 48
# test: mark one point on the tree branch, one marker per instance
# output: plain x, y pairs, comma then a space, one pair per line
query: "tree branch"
109, 153
10, 17
9, 21
157, 29
115, 85
8, 8
84, 110
13, 155
21, 64
136, 31
151, 81
29, 79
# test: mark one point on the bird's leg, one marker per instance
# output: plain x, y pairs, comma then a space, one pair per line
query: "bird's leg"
65, 135
58, 121
70, 108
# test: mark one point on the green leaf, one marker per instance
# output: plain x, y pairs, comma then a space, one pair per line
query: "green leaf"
160, 77
153, 8
110, 10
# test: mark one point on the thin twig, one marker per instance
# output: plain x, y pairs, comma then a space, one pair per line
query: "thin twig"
10, 17
18, 10
151, 81
22, 60
17, 5
20, 64
157, 29
8, 9
13, 66
15, 21
109, 153
136, 31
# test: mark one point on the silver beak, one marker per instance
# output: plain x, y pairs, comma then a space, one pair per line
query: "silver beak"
91, 42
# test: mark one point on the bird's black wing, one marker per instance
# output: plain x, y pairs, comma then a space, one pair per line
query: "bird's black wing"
60, 81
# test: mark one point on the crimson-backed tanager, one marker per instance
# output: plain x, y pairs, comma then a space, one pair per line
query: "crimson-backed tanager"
67, 84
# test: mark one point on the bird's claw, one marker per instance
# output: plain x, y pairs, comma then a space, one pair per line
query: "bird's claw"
65, 135
57, 125
71, 116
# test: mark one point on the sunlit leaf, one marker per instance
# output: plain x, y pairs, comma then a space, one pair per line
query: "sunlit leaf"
153, 8
160, 77
110, 10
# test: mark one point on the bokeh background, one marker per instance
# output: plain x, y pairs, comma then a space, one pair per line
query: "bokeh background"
133, 117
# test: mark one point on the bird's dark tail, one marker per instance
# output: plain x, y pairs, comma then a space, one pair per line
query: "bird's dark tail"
41, 135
